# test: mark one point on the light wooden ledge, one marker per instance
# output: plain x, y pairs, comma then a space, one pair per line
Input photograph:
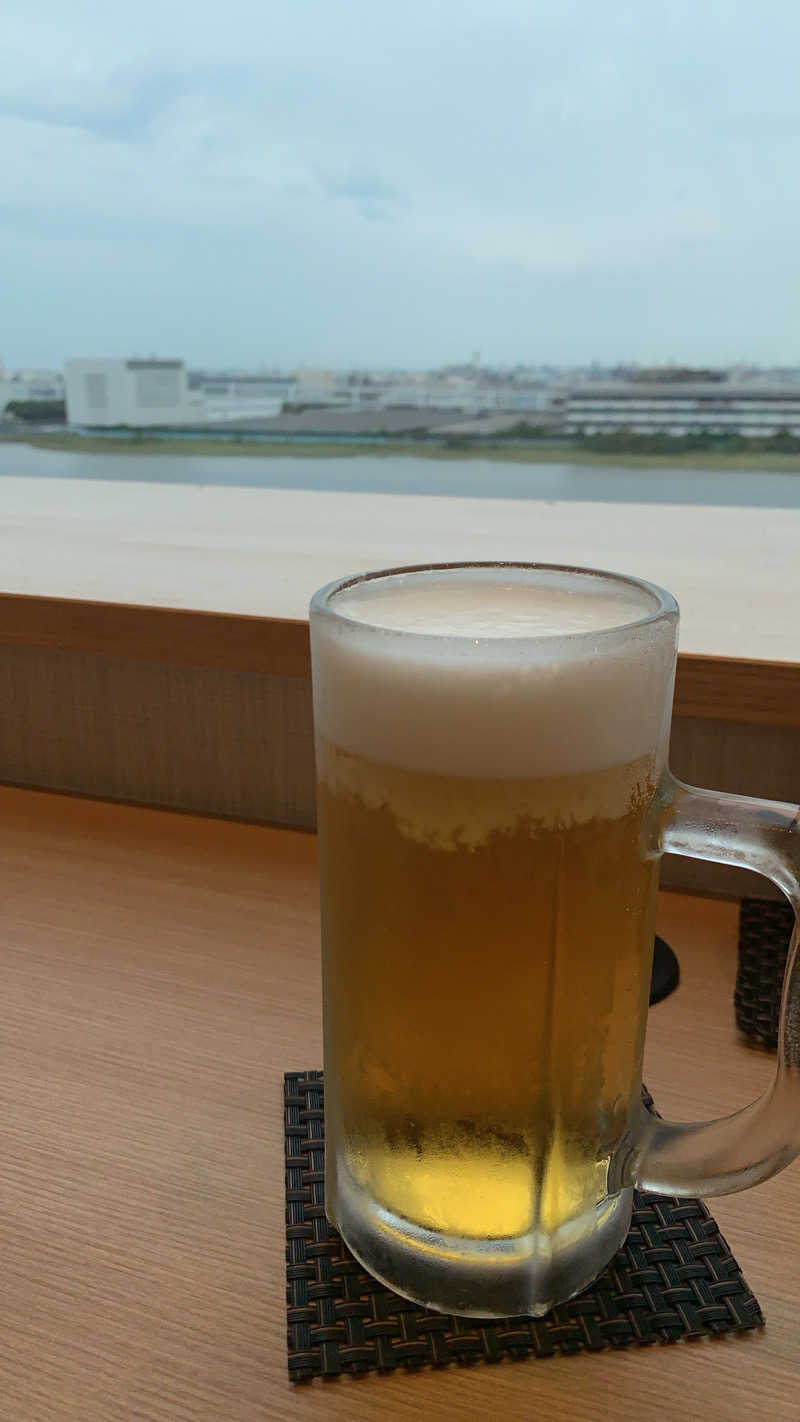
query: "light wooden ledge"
228, 641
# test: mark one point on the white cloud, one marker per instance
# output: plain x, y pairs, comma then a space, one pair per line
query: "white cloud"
318, 172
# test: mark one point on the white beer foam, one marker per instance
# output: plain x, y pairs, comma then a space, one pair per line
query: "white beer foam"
454, 813
519, 673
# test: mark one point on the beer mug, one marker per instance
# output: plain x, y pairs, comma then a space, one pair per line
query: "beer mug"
493, 799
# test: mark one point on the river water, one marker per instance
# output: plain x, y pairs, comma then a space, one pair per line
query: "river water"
406, 474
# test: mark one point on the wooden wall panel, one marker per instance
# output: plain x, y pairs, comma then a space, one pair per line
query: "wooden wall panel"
238, 743
748, 759
707, 687
227, 743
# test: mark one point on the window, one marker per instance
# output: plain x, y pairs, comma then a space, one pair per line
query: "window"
157, 389
96, 392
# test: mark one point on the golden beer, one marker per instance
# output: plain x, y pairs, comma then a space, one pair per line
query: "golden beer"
487, 950
487, 959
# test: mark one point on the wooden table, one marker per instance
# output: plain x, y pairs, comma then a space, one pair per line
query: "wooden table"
151, 971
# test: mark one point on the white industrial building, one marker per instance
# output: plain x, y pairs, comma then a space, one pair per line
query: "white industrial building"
21, 387
237, 395
685, 407
458, 393
129, 393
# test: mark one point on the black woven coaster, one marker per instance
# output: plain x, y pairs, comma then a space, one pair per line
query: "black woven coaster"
675, 1277
765, 931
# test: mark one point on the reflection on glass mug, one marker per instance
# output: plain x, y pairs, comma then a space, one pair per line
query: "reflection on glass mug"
493, 799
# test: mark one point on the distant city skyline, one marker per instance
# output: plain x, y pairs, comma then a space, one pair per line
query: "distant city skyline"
362, 187
471, 366
671, 370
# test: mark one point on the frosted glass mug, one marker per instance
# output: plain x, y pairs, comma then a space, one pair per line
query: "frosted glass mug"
493, 801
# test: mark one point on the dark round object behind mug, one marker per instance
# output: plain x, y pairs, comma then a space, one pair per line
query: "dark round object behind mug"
666, 973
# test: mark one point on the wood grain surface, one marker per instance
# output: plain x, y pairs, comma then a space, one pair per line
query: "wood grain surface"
159, 973
708, 687
179, 636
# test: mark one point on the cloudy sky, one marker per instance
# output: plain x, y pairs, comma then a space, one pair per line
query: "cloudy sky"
375, 183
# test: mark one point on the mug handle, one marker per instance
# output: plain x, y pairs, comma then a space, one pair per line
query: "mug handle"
728, 1154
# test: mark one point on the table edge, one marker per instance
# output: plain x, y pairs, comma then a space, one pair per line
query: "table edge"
707, 687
